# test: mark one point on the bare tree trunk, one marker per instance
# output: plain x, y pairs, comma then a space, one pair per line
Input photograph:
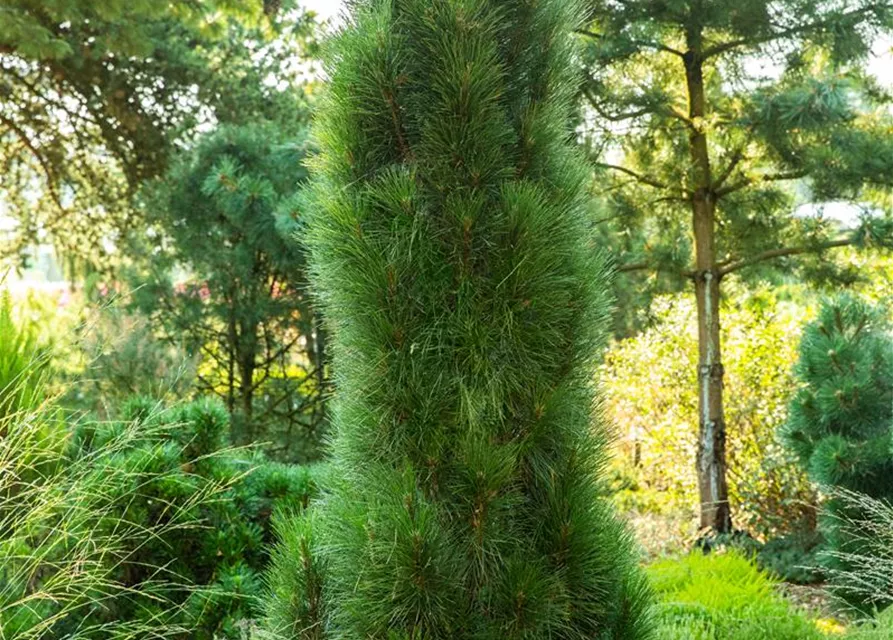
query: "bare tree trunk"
712, 485
246, 393
711, 459
232, 339
247, 349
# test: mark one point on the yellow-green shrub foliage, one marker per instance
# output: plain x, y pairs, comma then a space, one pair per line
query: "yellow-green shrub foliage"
724, 597
651, 390
24, 357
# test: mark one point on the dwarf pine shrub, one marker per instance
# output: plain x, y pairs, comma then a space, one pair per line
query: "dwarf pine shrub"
449, 248
841, 419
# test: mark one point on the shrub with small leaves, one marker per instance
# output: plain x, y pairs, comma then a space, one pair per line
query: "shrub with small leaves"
651, 395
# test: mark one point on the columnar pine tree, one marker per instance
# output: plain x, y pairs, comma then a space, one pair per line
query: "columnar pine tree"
841, 420
465, 306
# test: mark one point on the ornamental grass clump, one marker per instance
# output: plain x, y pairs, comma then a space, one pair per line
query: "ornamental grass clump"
63, 541
450, 250
142, 527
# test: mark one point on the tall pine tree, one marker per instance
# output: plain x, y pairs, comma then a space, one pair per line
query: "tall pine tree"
225, 281
97, 96
715, 120
465, 306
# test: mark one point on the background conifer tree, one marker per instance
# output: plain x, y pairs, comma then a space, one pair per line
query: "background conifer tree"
841, 420
97, 96
465, 307
224, 280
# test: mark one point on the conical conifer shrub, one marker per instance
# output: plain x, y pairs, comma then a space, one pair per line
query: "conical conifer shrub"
466, 306
841, 419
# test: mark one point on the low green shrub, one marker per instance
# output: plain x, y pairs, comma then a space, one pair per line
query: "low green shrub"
140, 528
723, 597
793, 558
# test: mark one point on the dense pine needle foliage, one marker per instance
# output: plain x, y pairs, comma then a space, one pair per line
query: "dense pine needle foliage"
840, 420
449, 248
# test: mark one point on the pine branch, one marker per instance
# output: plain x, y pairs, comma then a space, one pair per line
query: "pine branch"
646, 44
746, 182
634, 266
668, 111
388, 95
650, 181
37, 93
210, 386
673, 112
736, 159
305, 401
730, 266
48, 171
646, 265
614, 117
